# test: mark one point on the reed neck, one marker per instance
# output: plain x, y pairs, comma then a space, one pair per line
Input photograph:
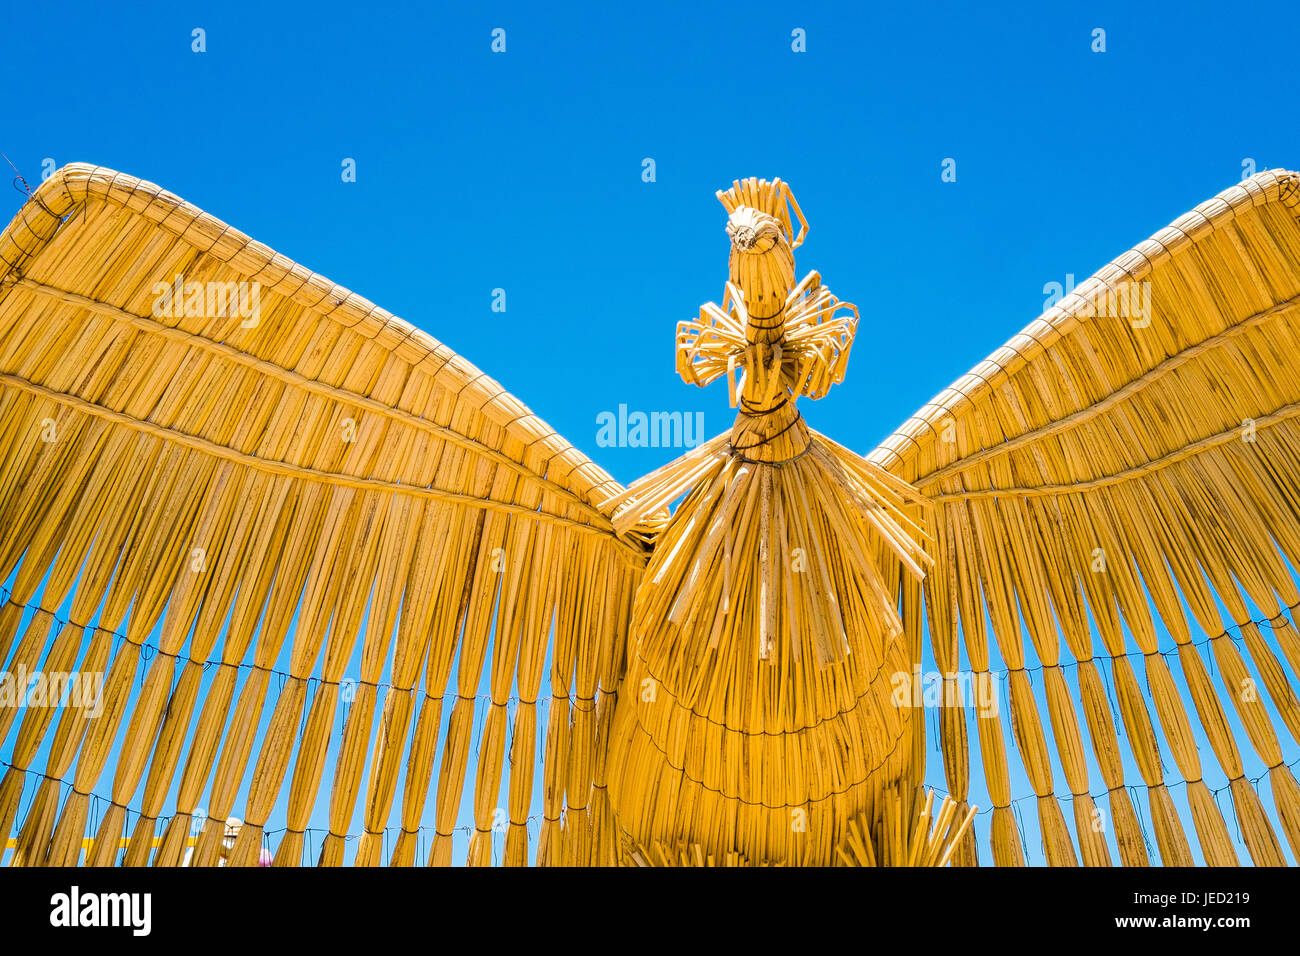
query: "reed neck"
770, 435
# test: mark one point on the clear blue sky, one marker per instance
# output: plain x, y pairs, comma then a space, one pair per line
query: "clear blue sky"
522, 170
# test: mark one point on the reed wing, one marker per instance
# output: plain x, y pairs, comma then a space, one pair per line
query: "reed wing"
185, 488
1124, 476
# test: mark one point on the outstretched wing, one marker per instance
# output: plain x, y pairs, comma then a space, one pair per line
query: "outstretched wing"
1124, 475
195, 468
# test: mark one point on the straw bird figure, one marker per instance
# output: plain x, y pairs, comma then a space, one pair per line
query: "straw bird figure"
247, 507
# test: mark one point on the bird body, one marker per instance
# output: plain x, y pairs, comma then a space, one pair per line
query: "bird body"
764, 636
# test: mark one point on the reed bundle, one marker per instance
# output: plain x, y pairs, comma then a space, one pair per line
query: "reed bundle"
895, 839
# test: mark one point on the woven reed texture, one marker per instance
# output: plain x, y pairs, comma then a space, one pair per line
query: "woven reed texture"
720, 674
1148, 421
453, 522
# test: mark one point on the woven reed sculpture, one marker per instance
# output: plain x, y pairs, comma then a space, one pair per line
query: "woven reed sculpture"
192, 495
